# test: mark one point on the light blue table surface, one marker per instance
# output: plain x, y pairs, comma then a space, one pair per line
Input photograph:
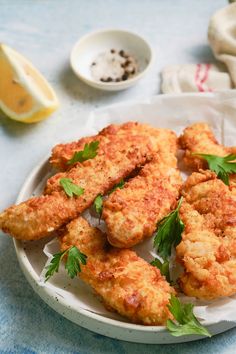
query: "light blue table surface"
45, 31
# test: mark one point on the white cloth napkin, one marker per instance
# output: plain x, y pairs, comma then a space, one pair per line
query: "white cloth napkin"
208, 77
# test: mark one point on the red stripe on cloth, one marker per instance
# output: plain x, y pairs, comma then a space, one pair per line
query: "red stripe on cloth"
200, 81
197, 74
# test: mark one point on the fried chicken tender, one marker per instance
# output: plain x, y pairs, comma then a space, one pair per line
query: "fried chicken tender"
40, 216
125, 282
199, 138
131, 214
62, 153
208, 247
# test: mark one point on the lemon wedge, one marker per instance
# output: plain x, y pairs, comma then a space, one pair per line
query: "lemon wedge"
25, 95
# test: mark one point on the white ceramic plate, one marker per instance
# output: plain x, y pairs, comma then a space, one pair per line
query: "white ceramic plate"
32, 259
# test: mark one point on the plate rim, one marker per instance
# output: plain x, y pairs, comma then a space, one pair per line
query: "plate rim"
24, 262
122, 327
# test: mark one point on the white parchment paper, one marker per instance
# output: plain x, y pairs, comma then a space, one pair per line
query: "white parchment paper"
165, 111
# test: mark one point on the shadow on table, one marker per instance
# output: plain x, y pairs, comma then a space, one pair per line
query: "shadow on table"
82, 92
201, 53
14, 128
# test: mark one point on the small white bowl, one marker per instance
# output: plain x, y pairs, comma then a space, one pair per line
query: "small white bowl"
90, 46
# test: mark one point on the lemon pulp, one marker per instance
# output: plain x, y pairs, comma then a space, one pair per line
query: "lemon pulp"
25, 95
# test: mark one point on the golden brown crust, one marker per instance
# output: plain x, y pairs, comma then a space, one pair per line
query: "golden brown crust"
96, 176
126, 283
122, 149
61, 153
208, 247
38, 217
199, 138
131, 213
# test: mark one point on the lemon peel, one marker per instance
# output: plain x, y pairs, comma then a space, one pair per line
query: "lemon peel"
25, 95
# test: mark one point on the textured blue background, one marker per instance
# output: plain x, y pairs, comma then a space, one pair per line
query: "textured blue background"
45, 31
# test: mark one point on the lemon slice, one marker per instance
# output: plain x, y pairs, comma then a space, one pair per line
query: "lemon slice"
25, 95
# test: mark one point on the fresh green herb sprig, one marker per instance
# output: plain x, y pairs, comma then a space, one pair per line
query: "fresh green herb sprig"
98, 204
168, 233
164, 267
70, 188
185, 321
222, 166
89, 152
74, 259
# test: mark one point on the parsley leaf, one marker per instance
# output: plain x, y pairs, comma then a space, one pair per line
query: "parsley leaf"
222, 166
70, 188
98, 204
168, 233
74, 259
186, 323
164, 268
54, 264
89, 152
119, 185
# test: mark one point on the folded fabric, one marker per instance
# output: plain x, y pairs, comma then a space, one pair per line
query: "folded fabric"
195, 78
208, 77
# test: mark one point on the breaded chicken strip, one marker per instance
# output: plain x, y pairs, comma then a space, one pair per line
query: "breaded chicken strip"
38, 217
126, 283
199, 138
208, 247
131, 214
61, 153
